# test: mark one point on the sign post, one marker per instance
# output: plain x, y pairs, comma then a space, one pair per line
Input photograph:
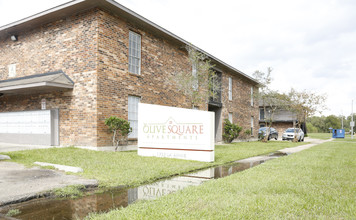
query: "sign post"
175, 133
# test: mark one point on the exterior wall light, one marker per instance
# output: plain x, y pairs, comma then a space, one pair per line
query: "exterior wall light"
14, 38
43, 104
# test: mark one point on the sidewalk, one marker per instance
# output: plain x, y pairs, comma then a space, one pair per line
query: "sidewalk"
314, 142
6, 147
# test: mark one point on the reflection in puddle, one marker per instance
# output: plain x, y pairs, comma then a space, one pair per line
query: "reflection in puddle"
46, 208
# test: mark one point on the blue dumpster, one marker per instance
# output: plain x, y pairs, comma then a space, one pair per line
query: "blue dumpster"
338, 133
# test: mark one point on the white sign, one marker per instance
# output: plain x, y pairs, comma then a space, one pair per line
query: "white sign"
352, 124
175, 133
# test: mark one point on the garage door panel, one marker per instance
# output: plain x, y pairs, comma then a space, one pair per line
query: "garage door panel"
31, 139
30, 127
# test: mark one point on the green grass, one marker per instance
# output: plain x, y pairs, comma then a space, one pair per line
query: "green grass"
347, 138
323, 136
72, 191
13, 212
318, 183
129, 169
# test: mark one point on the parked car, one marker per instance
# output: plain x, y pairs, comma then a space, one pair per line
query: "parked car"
263, 131
290, 132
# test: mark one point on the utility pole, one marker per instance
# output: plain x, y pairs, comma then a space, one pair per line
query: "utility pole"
342, 120
352, 123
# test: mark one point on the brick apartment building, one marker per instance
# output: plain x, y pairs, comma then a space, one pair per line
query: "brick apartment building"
282, 119
87, 60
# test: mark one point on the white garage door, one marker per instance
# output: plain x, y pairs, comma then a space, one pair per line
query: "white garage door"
30, 127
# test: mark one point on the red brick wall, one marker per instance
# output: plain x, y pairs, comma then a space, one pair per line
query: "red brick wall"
240, 105
281, 127
159, 59
70, 45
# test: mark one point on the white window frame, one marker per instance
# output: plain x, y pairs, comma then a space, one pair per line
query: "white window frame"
134, 53
251, 96
132, 117
230, 88
195, 77
230, 117
262, 109
252, 122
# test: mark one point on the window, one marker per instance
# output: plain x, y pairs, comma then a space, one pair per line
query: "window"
134, 53
216, 88
251, 96
195, 80
230, 117
133, 115
251, 125
262, 114
230, 88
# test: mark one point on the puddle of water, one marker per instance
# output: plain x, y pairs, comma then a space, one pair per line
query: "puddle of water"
46, 208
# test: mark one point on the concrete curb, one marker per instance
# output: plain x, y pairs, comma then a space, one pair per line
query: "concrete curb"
4, 157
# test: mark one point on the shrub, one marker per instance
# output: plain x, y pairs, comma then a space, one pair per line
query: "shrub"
120, 129
231, 131
247, 132
245, 135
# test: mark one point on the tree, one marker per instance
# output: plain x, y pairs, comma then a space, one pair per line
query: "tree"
311, 128
304, 104
317, 124
201, 83
120, 129
269, 99
333, 121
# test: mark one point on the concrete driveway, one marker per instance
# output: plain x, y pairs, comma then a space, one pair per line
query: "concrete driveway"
6, 147
18, 183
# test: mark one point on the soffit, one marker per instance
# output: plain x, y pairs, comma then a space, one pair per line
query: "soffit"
46, 82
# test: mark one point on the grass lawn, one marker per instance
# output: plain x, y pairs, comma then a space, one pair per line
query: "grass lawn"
347, 138
323, 136
318, 183
129, 169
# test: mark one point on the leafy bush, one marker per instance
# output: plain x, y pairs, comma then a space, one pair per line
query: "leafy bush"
245, 135
231, 131
120, 128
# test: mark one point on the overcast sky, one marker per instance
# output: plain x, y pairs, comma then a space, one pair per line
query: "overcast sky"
310, 44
